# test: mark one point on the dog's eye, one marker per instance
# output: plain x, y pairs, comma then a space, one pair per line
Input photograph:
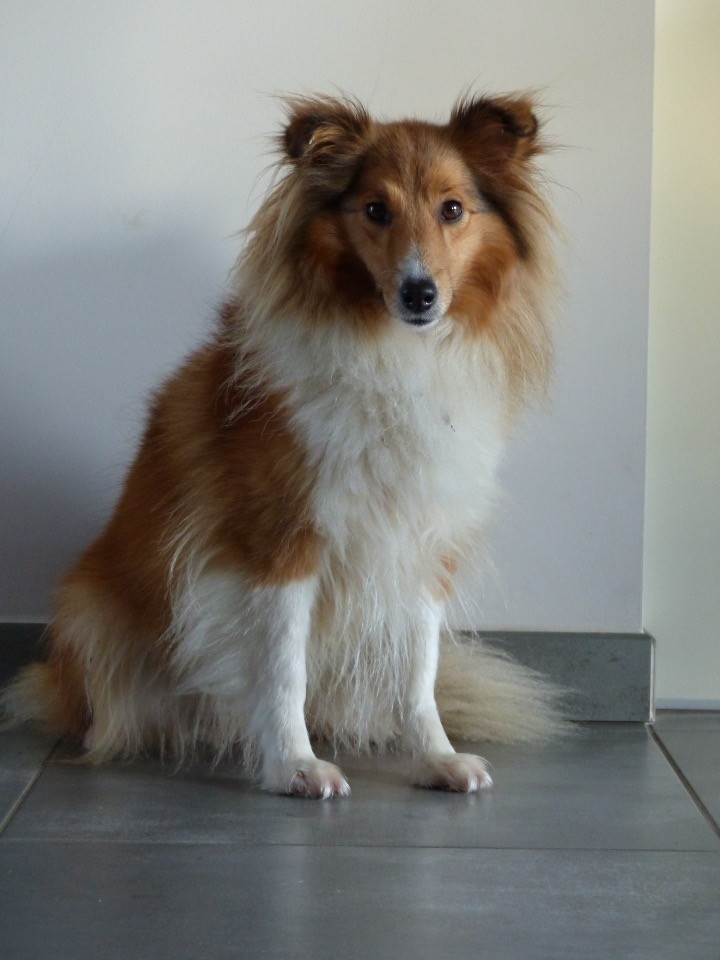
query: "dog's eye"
451, 210
378, 212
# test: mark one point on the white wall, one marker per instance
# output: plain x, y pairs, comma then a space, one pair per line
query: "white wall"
682, 550
132, 139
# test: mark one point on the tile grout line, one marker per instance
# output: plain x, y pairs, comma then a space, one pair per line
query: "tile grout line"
398, 849
689, 789
24, 793
5, 822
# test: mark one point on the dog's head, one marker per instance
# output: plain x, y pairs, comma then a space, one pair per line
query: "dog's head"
413, 220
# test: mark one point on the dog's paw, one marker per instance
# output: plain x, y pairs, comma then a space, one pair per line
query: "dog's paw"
312, 778
461, 772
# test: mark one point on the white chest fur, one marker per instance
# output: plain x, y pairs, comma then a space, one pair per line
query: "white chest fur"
406, 440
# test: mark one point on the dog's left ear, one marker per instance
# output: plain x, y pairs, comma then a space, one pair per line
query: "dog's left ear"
494, 131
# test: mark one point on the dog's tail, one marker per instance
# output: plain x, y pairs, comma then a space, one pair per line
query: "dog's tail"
40, 697
483, 694
30, 698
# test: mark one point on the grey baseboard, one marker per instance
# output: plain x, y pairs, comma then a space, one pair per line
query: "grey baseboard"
608, 676
20, 643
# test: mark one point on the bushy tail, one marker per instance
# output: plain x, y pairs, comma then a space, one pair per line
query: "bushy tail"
483, 694
35, 697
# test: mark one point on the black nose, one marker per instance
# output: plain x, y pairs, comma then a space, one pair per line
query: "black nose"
418, 295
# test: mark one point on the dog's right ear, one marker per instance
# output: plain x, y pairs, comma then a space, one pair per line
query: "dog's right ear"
324, 131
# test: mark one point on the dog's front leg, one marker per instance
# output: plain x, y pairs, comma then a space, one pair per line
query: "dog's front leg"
287, 762
435, 762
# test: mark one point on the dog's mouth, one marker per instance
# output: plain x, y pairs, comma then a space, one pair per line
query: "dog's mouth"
419, 320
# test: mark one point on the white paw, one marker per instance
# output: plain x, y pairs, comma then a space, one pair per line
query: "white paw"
461, 772
311, 778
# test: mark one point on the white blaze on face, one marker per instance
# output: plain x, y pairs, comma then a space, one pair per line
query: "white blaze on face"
418, 301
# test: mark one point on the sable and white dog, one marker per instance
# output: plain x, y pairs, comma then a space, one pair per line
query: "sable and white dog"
279, 560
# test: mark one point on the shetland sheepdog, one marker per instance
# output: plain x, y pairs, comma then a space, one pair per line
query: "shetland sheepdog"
311, 478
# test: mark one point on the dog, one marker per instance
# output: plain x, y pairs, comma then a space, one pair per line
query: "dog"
310, 480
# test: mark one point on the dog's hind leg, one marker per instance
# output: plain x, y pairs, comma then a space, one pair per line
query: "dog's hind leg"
435, 762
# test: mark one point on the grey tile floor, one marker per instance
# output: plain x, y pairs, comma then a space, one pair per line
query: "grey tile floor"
605, 846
